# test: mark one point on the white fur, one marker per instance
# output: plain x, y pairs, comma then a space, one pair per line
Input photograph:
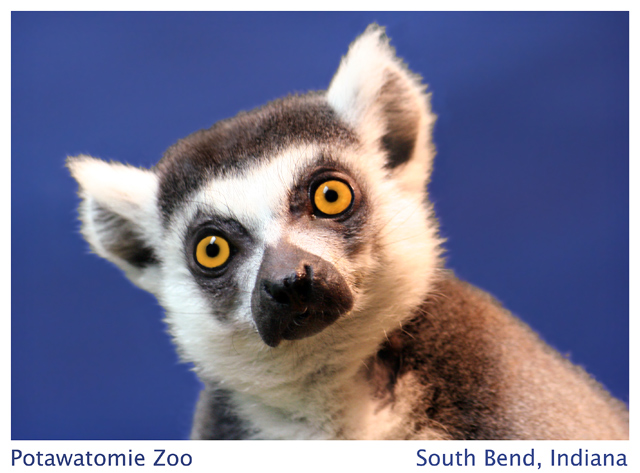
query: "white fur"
358, 83
127, 191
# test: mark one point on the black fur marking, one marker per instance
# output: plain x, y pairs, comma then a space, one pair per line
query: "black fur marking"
401, 117
119, 236
447, 348
216, 417
235, 144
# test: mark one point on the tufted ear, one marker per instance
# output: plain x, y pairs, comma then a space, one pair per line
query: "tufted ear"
119, 215
374, 91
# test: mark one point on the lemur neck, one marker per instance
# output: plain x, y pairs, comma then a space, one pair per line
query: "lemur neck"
305, 397
318, 386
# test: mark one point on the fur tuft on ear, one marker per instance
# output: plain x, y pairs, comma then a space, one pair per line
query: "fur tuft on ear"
374, 91
119, 215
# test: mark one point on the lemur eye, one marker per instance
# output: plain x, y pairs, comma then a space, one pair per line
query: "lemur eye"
212, 251
332, 198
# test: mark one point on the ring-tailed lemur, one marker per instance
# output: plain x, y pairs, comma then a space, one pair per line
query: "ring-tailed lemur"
295, 251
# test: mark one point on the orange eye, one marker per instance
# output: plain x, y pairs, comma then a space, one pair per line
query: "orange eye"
213, 252
332, 197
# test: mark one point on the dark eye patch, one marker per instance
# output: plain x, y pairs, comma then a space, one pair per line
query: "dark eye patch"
219, 285
350, 225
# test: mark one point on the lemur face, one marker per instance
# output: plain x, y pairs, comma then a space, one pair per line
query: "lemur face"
298, 226
273, 242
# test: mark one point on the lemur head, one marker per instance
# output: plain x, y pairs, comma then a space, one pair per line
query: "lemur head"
300, 226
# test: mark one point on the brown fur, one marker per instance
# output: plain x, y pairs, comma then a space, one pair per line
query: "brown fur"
483, 374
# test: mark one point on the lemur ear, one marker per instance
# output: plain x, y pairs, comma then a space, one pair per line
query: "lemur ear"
119, 216
374, 91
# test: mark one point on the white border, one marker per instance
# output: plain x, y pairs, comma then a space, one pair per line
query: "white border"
313, 455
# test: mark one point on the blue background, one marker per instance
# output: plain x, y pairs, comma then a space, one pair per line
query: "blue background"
530, 182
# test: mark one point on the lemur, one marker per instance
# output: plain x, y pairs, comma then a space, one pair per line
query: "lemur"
296, 253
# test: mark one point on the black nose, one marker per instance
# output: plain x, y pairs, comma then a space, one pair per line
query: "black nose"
294, 291
296, 294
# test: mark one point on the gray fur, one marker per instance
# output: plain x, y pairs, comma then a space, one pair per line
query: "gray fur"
126, 242
216, 417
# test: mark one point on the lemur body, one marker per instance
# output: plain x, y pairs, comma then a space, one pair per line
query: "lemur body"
297, 257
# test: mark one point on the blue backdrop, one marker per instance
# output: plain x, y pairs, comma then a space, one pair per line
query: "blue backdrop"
530, 183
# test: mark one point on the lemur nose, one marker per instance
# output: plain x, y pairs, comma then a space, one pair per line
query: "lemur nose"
296, 294
293, 291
